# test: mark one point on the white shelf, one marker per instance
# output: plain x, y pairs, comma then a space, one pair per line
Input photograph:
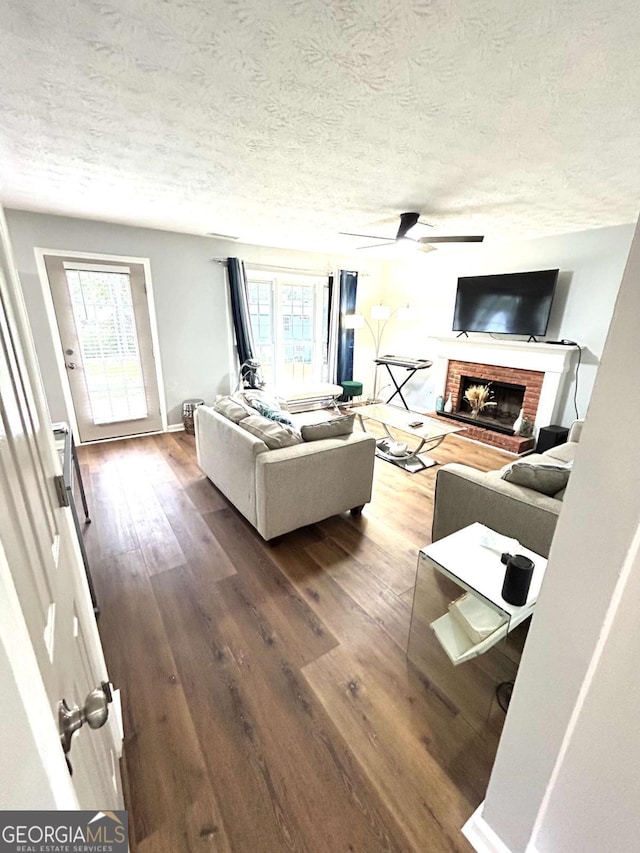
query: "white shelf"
476, 618
457, 644
496, 343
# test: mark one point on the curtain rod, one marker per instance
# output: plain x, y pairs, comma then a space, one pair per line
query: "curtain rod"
274, 268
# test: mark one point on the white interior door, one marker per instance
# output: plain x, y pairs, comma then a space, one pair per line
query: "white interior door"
103, 318
44, 588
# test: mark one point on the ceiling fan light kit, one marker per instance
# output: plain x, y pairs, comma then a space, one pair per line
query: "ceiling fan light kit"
407, 222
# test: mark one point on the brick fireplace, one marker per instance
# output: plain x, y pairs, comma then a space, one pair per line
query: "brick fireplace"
512, 389
538, 371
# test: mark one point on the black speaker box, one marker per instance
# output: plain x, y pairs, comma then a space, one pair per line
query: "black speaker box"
551, 436
517, 579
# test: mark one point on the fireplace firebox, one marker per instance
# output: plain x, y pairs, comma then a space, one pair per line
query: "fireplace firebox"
510, 390
506, 397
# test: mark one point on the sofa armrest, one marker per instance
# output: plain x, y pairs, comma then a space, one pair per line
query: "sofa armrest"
575, 430
226, 453
464, 495
308, 482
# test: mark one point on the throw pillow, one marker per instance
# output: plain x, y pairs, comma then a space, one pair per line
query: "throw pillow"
232, 409
273, 434
328, 429
267, 411
254, 396
546, 479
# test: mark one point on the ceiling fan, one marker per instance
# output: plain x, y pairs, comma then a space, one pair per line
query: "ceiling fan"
407, 221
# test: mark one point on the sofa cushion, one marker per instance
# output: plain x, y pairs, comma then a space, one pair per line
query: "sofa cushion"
531, 458
562, 453
541, 477
273, 434
328, 429
233, 409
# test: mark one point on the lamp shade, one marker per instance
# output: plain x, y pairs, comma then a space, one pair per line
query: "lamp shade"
380, 312
352, 321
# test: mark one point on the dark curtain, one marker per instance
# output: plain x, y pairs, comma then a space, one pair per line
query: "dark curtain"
348, 285
240, 316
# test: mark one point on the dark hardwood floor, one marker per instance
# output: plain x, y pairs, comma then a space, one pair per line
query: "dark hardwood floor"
268, 701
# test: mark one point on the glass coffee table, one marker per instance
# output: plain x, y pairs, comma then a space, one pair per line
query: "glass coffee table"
428, 432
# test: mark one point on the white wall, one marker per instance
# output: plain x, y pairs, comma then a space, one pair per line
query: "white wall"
190, 296
591, 265
567, 771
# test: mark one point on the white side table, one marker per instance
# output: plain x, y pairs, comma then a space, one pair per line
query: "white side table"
437, 643
464, 560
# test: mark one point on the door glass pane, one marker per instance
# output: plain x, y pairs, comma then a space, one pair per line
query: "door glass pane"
261, 313
110, 357
324, 346
289, 319
297, 331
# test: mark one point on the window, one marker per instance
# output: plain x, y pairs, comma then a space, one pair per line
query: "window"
289, 319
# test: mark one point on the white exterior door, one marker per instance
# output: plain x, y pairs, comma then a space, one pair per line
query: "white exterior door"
49, 644
103, 318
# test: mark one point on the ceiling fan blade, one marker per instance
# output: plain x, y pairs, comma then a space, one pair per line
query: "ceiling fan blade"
377, 245
366, 236
468, 239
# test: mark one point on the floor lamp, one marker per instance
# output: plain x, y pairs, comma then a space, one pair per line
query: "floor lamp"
380, 315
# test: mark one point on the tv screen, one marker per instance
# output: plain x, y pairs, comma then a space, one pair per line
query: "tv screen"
512, 304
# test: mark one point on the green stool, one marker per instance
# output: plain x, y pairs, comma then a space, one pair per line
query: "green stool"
351, 389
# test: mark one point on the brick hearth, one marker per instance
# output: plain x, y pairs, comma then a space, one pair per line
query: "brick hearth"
532, 381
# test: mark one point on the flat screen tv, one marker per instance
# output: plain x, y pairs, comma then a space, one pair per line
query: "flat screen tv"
516, 303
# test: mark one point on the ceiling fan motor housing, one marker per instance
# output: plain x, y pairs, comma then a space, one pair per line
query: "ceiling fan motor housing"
407, 221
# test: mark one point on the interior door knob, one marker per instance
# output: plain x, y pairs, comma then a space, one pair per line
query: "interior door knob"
94, 713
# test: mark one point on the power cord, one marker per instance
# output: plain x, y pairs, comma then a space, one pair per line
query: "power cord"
503, 694
575, 389
384, 388
568, 343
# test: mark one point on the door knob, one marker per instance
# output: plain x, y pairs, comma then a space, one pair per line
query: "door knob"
71, 365
94, 713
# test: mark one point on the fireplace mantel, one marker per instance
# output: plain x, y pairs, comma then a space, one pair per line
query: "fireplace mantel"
554, 360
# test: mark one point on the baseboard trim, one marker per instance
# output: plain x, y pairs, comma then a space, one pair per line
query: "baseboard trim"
175, 428
480, 835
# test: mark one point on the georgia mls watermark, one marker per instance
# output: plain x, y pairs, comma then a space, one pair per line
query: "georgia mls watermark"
64, 832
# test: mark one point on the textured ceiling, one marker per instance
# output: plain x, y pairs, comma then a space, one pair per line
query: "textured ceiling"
286, 121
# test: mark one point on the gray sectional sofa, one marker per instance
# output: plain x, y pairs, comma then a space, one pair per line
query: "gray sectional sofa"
464, 495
